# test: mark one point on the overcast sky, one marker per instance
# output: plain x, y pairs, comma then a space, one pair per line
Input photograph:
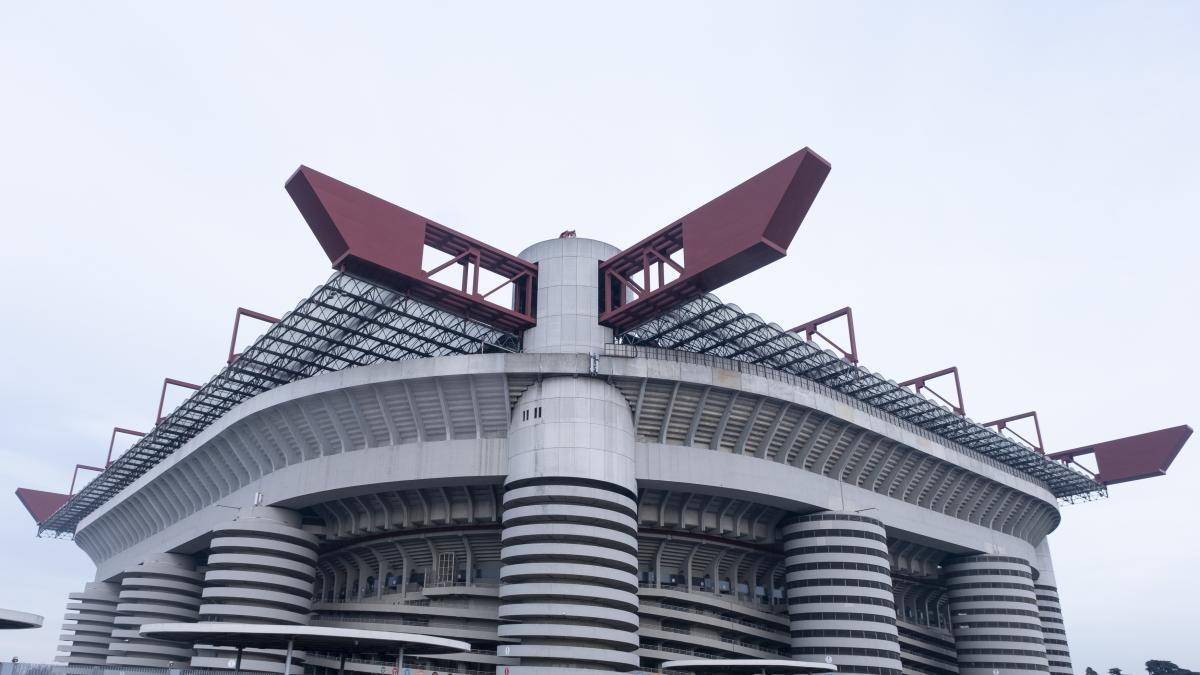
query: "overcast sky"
1015, 191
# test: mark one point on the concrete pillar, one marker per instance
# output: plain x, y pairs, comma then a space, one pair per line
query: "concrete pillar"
88, 624
341, 585
839, 593
261, 569
994, 614
164, 589
1050, 613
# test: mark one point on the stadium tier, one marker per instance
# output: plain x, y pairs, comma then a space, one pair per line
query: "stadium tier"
577, 457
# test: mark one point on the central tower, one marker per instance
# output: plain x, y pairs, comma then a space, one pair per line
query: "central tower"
569, 543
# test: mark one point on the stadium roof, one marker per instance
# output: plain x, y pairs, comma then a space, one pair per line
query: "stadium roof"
350, 322
345, 322
708, 326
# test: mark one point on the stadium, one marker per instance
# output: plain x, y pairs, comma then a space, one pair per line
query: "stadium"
577, 457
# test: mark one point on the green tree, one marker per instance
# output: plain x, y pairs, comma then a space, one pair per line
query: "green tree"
1114, 671
1090, 671
1155, 667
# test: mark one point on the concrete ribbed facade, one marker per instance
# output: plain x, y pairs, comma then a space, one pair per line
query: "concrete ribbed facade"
995, 616
839, 591
586, 507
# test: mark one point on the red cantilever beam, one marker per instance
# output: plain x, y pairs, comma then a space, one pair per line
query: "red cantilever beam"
237, 321
75, 475
813, 328
118, 430
162, 398
370, 238
735, 234
919, 383
1002, 424
1132, 458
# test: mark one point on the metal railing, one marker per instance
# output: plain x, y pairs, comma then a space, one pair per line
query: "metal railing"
63, 669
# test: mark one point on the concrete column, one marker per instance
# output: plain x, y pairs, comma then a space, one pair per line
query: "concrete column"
569, 545
1050, 614
88, 625
261, 569
165, 589
341, 585
994, 614
839, 593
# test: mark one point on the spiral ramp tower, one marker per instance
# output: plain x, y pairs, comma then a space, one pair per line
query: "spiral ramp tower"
839, 588
163, 590
611, 471
261, 569
88, 625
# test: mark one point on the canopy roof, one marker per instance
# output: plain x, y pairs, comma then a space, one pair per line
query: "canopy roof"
304, 638
10, 618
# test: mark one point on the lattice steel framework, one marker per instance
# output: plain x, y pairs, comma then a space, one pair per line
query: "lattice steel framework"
345, 322
708, 326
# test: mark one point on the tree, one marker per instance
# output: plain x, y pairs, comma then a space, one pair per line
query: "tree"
1155, 667
1114, 671
1090, 671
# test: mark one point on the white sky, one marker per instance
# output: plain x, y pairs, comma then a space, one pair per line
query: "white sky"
1014, 192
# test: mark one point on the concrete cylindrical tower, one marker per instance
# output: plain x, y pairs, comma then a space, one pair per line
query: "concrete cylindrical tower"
261, 569
994, 614
89, 624
568, 295
163, 590
839, 590
1050, 614
569, 545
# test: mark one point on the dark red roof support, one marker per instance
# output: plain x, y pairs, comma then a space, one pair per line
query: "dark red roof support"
1132, 458
119, 430
75, 475
370, 238
921, 383
237, 320
735, 234
41, 504
163, 396
1002, 424
813, 328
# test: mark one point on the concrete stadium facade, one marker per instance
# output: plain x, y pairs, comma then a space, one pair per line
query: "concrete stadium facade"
578, 505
